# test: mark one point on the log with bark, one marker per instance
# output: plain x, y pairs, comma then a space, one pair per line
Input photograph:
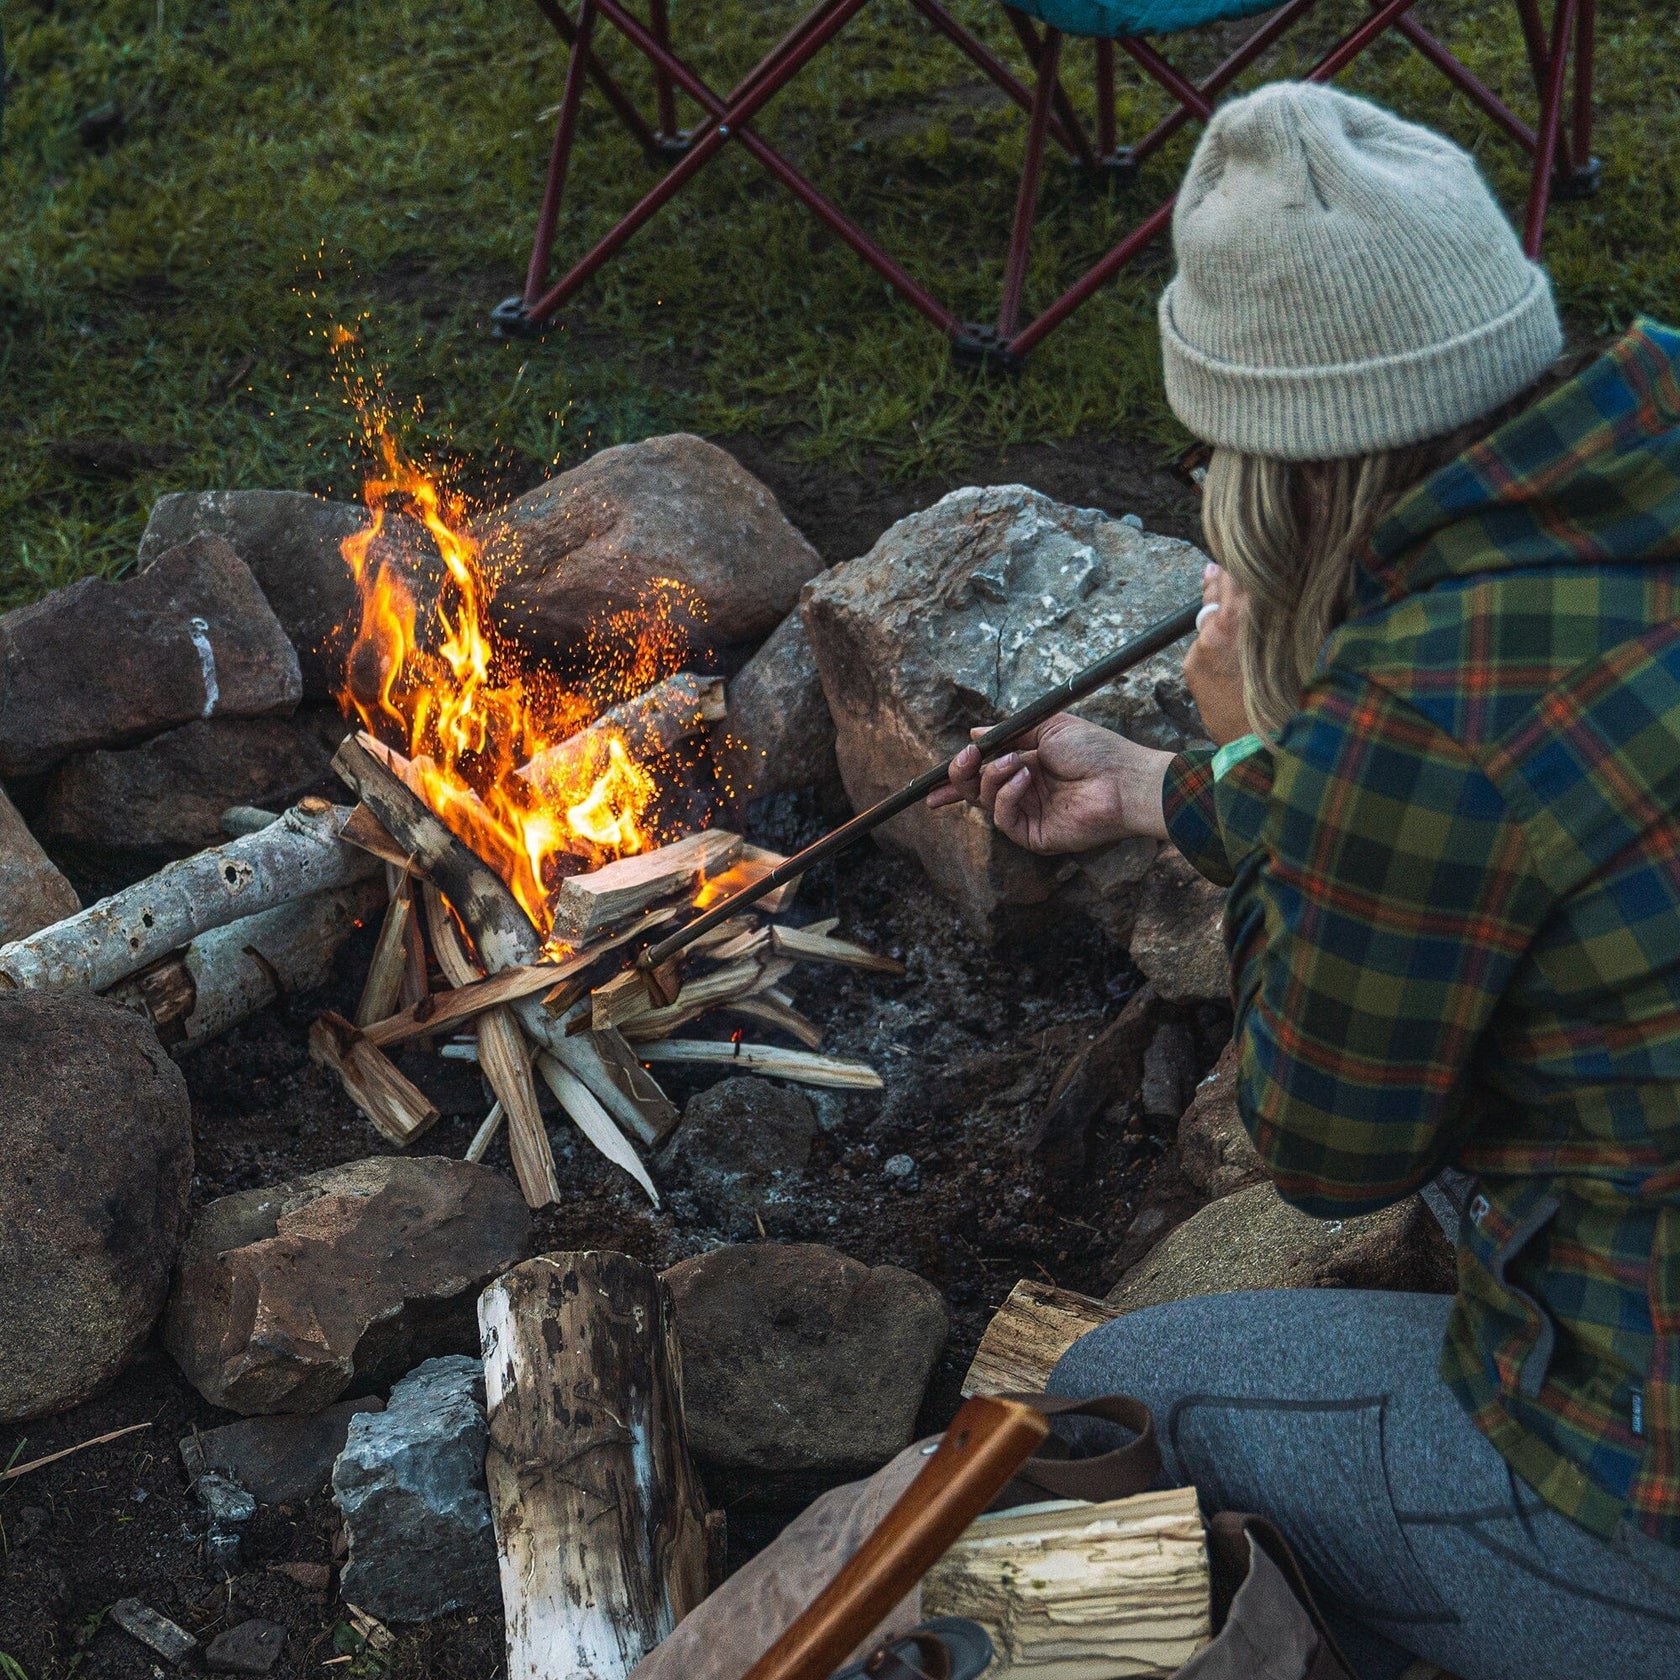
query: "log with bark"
599, 1516
1028, 1334
399, 1109
290, 859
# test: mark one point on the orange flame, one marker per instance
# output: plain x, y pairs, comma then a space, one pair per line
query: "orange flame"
439, 682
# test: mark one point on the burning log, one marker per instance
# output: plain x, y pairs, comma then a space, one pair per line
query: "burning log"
587, 905
756, 862
600, 1519
231, 972
399, 1109
650, 725
798, 1066
1028, 1334
300, 854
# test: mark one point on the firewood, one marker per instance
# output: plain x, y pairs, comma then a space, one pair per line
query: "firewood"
756, 862
486, 1133
399, 1109
779, 1013
461, 1003
593, 1121
587, 905
624, 1003
577, 979
245, 819
415, 983
1028, 1334
599, 1516
745, 942
650, 723
806, 946
658, 1113
798, 1066
386, 973
229, 973
1072, 1591
364, 830
120, 935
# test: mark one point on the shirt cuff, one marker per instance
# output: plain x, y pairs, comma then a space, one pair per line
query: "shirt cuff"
1192, 819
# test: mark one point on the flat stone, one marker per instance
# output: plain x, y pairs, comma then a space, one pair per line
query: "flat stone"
168, 794
1215, 1151
33, 894
596, 539
742, 1149
1178, 939
778, 735
284, 1458
798, 1358
252, 1647
96, 1134
410, 1484
139, 1621
964, 612
289, 1297
1256, 1240
102, 664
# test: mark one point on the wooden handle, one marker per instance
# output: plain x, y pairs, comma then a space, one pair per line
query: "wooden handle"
987, 1443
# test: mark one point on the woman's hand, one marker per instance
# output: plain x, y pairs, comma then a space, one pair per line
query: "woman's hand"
1211, 667
1067, 787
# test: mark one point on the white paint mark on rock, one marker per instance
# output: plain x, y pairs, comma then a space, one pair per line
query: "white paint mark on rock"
199, 630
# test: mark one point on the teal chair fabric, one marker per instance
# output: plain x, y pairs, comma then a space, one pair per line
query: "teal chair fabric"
1108, 20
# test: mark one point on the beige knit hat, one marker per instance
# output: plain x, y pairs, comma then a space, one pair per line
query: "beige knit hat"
1346, 283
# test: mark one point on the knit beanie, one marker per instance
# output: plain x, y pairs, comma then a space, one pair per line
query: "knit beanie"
1346, 283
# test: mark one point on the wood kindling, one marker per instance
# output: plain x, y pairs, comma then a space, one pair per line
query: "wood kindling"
774, 1008
446, 1009
799, 1066
586, 906
388, 971
593, 1121
399, 1109
807, 946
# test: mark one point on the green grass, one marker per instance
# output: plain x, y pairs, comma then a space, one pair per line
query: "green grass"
282, 166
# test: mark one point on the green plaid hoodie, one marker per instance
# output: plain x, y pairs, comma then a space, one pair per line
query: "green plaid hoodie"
1454, 920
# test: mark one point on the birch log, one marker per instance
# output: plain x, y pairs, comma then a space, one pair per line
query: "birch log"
600, 1519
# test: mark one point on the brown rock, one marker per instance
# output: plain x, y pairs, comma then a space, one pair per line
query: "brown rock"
1256, 1240
291, 543
96, 1133
32, 892
1215, 1151
741, 1149
796, 1357
778, 735
287, 1297
1105, 1070
168, 793
967, 611
1178, 939
100, 664
594, 540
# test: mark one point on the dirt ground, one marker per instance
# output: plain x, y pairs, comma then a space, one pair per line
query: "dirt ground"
969, 1042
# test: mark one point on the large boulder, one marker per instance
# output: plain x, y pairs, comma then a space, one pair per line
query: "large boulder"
100, 664
292, 543
340, 1281
33, 894
965, 612
778, 735
597, 539
168, 794
1256, 1240
741, 1151
1178, 939
798, 1358
96, 1132
1215, 1152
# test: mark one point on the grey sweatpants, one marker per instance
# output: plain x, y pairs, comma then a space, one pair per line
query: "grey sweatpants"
1322, 1409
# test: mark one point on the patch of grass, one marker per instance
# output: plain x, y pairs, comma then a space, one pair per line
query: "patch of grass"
166, 288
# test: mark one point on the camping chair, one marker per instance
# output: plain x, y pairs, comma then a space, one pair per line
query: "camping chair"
1051, 117
1563, 166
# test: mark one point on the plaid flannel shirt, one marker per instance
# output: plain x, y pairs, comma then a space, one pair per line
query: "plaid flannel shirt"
1454, 920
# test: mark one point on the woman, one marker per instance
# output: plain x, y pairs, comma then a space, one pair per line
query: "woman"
1440, 659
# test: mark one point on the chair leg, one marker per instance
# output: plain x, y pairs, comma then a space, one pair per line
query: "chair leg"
665, 98
1026, 202
1105, 100
1551, 127
1065, 113
565, 131
1583, 177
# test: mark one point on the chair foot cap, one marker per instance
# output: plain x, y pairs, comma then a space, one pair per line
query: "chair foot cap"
980, 346
509, 320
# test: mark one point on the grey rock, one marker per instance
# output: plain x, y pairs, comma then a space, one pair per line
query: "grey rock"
139, 1621
778, 735
962, 613
96, 1135
410, 1484
281, 1459
595, 540
291, 542
1178, 939
798, 1358
33, 894
1256, 1240
1169, 1071
1215, 1151
289, 1297
228, 1508
168, 794
741, 1149
252, 1647
102, 664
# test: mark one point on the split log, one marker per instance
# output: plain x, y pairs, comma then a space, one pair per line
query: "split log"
593, 1121
708, 991
399, 1109
650, 724
486, 1133
300, 854
445, 1009
1028, 1334
658, 1113
806, 946
416, 980
583, 970
388, 971
587, 905
774, 1008
755, 863
1083, 1592
798, 1066
599, 1516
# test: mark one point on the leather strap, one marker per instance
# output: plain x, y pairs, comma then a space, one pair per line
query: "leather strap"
1133, 1468
1228, 1536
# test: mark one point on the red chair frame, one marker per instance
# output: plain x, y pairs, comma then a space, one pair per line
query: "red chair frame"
1562, 164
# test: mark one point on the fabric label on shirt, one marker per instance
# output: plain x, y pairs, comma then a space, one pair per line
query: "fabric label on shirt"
1233, 753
